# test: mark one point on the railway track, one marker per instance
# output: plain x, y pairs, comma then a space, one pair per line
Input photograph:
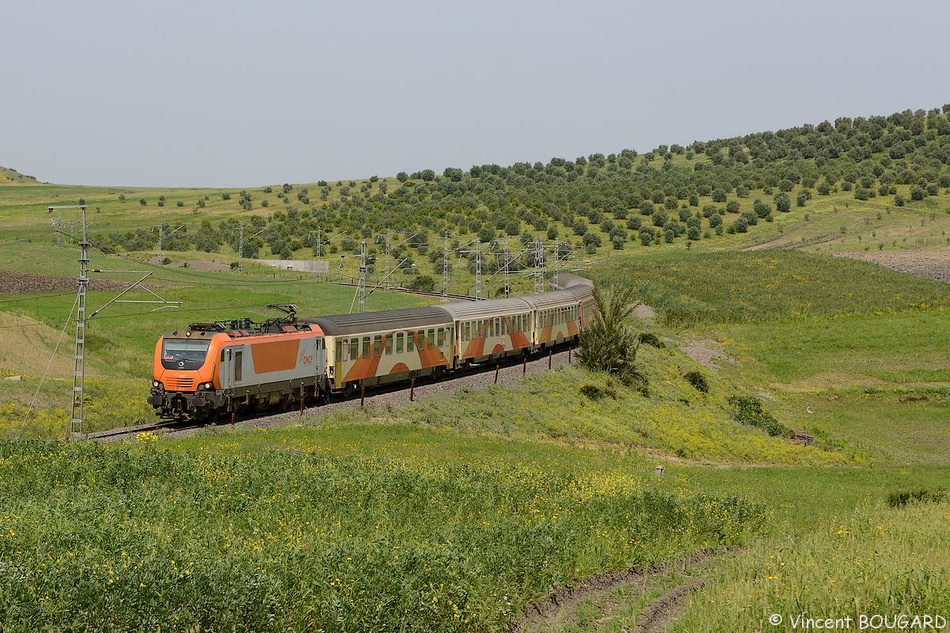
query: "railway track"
507, 372
129, 432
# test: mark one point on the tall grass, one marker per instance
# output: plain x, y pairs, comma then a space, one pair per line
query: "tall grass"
875, 561
140, 539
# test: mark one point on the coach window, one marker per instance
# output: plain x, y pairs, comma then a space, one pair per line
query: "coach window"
430, 338
389, 344
354, 348
441, 337
410, 337
340, 346
377, 346
465, 331
400, 340
365, 347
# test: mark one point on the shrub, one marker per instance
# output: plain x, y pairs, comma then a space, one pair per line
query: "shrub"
651, 339
596, 393
697, 380
424, 283
609, 344
748, 410
901, 498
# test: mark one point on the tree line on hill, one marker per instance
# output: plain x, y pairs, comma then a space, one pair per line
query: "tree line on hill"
624, 200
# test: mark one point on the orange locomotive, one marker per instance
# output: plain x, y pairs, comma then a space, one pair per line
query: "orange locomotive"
236, 365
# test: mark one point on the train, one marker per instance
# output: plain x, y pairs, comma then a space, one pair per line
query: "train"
239, 366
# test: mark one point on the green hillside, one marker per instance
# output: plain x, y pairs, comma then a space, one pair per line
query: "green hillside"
792, 382
9, 176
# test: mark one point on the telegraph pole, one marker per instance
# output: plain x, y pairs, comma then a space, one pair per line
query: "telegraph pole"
507, 259
79, 354
162, 236
445, 267
386, 263
554, 280
539, 266
361, 286
478, 270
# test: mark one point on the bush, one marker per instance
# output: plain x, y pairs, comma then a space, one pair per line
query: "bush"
596, 393
424, 283
651, 339
609, 344
697, 380
901, 498
747, 410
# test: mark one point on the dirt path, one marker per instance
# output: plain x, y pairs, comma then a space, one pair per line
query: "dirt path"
663, 610
557, 609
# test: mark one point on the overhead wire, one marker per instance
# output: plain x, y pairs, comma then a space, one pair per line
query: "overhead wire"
36, 394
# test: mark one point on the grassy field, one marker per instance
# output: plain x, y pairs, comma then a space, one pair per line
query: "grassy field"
289, 537
510, 492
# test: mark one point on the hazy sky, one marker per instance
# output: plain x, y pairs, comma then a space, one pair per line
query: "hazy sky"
234, 92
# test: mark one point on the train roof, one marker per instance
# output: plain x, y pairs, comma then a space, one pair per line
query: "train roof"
485, 309
359, 323
581, 292
567, 280
556, 298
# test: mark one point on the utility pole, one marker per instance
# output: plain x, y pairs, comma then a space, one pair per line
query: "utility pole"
478, 270
554, 281
58, 227
445, 267
507, 260
386, 263
79, 351
79, 354
361, 285
161, 236
240, 245
539, 266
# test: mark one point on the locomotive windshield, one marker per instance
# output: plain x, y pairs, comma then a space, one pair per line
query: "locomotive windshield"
184, 353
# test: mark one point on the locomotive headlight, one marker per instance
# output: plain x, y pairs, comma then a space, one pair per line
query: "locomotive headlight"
208, 385
157, 384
